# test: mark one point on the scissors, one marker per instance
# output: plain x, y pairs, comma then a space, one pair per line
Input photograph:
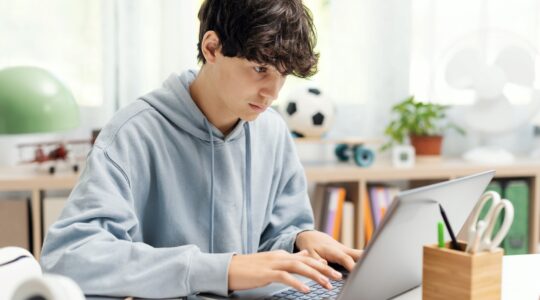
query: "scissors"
481, 231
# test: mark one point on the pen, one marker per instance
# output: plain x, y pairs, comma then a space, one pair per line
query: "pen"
440, 230
455, 245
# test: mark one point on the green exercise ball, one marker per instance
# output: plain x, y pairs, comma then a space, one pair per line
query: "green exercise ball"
33, 100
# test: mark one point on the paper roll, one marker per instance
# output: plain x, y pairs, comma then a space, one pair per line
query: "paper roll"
16, 266
48, 287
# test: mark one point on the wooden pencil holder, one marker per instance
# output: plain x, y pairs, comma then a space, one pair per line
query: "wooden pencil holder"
453, 274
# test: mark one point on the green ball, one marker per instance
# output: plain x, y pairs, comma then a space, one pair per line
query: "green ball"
33, 100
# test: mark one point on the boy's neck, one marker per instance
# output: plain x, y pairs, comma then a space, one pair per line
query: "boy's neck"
205, 97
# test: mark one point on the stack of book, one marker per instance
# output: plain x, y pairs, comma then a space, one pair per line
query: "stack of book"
375, 202
333, 214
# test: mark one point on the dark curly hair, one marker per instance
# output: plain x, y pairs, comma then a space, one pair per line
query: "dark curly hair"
274, 32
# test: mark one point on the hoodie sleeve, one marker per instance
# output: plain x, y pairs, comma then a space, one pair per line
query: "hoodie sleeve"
93, 244
291, 212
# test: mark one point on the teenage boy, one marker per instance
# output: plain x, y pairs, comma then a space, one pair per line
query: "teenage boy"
196, 187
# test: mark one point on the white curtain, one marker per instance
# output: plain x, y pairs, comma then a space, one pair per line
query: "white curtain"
364, 48
364, 53
439, 27
149, 39
364, 65
64, 37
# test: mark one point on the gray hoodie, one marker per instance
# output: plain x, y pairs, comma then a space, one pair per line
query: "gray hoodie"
166, 199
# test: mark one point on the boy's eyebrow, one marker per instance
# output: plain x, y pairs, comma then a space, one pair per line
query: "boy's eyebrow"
275, 69
271, 67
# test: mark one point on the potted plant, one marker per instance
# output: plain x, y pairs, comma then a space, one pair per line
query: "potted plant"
423, 123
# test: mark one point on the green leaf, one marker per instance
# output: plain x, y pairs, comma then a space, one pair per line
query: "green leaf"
418, 118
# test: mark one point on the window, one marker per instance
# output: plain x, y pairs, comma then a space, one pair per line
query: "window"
337, 26
62, 36
440, 28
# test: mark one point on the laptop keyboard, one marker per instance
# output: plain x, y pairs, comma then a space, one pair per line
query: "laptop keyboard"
316, 292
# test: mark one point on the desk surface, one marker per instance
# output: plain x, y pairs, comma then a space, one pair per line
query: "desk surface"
520, 280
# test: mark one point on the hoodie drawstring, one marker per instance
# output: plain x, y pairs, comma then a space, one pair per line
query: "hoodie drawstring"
212, 201
248, 188
247, 184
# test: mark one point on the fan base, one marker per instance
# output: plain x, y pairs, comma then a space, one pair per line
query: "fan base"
489, 155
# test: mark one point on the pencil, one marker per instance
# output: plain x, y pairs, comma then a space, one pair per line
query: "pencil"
454, 242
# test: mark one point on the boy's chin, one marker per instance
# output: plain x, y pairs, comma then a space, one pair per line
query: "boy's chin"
249, 118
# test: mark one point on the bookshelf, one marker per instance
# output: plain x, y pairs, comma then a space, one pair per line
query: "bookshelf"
357, 180
26, 179
354, 179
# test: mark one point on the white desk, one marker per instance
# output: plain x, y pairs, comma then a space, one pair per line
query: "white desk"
520, 279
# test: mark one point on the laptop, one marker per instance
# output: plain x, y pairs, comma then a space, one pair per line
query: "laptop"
392, 262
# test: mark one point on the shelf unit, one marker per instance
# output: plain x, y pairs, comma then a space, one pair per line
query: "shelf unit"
27, 179
357, 179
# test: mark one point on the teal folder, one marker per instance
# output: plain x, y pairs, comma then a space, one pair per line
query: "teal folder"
517, 240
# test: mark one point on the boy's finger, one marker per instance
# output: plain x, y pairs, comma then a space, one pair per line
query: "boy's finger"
325, 269
354, 253
287, 279
302, 253
316, 255
301, 268
342, 258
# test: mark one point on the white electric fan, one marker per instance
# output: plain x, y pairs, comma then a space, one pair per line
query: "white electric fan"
497, 70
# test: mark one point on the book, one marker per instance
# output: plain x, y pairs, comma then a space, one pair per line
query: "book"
339, 212
393, 191
389, 193
375, 202
517, 239
347, 226
334, 211
317, 203
379, 197
368, 219
375, 206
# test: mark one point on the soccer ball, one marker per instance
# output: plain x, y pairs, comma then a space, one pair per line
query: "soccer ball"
308, 112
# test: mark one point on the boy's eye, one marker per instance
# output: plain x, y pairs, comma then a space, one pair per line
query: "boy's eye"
260, 69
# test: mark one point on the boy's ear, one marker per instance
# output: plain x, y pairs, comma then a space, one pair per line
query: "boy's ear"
210, 46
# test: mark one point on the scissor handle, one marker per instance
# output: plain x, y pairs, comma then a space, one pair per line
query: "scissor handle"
474, 233
475, 239
489, 244
489, 195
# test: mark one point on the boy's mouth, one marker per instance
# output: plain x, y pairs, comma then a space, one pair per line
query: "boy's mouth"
257, 107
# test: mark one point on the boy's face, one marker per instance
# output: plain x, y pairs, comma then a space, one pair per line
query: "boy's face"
245, 88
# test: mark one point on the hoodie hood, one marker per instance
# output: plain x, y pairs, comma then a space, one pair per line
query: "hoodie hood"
175, 103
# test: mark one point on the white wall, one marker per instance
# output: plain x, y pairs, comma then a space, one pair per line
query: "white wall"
379, 51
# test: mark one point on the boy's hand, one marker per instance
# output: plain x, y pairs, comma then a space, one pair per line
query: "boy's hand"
260, 269
324, 248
